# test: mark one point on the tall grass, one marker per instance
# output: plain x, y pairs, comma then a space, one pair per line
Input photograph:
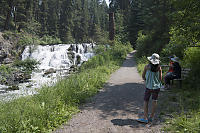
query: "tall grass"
55, 105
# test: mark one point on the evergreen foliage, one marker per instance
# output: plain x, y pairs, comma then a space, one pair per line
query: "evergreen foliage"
70, 20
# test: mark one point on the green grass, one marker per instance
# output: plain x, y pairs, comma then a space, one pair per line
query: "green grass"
188, 118
141, 63
55, 105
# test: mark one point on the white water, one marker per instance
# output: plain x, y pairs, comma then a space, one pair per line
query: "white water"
54, 57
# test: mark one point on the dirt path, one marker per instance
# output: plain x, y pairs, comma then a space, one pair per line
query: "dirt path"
116, 107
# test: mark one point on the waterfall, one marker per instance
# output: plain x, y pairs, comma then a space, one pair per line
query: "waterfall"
57, 56
55, 62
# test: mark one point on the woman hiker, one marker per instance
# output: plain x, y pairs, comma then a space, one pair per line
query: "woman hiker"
152, 75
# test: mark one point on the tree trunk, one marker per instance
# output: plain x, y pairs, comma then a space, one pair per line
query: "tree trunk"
7, 21
111, 26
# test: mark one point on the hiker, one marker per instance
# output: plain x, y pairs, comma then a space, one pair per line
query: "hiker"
175, 72
170, 64
152, 75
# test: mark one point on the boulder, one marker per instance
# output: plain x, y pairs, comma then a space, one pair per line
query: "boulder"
7, 61
3, 55
11, 88
49, 71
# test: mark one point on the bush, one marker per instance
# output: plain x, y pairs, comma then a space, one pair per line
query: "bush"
7, 34
191, 60
25, 40
116, 51
50, 40
150, 42
27, 65
120, 51
177, 44
5, 69
141, 62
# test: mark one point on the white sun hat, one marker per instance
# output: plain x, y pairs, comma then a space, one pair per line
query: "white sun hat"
154, 59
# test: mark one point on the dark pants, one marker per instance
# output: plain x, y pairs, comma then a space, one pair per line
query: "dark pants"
151, 92
170, 76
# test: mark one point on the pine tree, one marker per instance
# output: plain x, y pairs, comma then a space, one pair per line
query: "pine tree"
43, 17
103, 9
80, 20
94, 18
9, 8
3, 12
36, 10
29, 9
20, 14
52, 19
66, 21
136, 21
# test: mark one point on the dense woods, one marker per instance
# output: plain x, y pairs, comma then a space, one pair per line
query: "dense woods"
69, 20
152, 24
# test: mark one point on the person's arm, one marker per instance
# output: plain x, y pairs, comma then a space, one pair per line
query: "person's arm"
160, 73
144, 73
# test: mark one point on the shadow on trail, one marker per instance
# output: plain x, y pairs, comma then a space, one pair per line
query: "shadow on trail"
126, 122
120, 102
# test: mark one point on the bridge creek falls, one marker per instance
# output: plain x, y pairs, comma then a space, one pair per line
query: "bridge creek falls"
55, 62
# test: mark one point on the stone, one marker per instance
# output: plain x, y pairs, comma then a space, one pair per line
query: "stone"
3, 55
14, 87
7, 61
49, 71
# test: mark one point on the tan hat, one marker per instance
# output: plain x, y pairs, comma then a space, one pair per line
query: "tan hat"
154, 59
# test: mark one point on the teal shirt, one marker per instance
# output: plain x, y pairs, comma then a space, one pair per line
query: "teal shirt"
152, 80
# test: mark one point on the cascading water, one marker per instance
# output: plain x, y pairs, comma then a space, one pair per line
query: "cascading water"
55, 62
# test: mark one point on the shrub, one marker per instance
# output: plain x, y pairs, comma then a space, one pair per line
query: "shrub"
27, 65
116, 51
141, 62
149, 43
25, 40
7, 34
100, 49
5, 69
191, 60
177, 44
50, 40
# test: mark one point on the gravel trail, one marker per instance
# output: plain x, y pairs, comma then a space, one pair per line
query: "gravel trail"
116, 107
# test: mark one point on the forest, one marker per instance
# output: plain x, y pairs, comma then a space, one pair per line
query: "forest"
166, 27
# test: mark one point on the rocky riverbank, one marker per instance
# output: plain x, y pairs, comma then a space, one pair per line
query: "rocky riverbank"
9, 75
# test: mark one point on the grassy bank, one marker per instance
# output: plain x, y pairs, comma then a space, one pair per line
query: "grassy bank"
55, 105
185, 117
179, 108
